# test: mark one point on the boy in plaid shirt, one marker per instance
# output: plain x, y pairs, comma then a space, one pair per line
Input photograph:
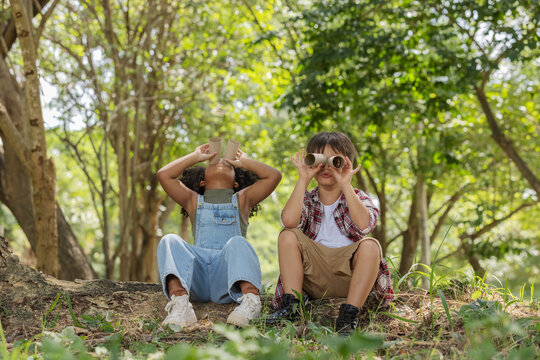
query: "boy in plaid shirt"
323, 249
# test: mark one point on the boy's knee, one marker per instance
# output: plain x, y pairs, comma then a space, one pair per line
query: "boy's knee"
287, 238
368, 246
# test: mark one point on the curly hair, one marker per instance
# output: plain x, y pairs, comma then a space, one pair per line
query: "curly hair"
193, 176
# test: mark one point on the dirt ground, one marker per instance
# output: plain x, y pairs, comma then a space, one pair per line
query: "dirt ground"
31, 302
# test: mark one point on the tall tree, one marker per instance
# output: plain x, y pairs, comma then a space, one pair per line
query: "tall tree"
27, 178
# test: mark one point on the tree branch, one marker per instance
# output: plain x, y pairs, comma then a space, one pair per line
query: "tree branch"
10, 33
449, 205
506, 144
494, 223
44, 19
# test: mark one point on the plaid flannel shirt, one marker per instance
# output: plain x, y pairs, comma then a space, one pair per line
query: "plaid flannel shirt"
310, 224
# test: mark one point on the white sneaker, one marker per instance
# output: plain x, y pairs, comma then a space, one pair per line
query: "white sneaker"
249, 309
180, 312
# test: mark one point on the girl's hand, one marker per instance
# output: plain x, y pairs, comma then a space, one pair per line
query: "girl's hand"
238, 159
344, 175
305, 172
203, 153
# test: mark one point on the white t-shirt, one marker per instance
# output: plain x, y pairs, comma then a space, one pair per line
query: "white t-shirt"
329, 234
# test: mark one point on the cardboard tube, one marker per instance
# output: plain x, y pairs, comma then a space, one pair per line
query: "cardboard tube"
231, 149
215, 146
337, 161
312, 159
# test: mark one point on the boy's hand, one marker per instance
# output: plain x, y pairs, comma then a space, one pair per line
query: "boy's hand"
203, 154
238, 159
344, 175
305, 172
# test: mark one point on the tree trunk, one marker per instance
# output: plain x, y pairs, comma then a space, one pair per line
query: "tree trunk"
380, 231
149, 219
43, 172
472, 258
505, 143
15, 193
410, 239
16, 188
123, 202
421, 212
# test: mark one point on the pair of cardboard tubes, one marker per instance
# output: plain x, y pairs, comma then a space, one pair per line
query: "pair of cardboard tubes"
230, 150
312, 159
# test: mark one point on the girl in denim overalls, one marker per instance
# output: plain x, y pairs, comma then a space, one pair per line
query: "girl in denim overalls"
222, 266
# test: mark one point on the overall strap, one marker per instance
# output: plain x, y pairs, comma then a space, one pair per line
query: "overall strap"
200, 201
234, 201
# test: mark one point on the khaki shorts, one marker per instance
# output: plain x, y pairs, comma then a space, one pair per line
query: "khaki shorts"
327, 271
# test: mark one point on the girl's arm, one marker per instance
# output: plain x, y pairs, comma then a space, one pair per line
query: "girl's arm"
269, 179
292, 212
168, 177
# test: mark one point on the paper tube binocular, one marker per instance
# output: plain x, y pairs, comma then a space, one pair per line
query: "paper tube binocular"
312, 159
230, 150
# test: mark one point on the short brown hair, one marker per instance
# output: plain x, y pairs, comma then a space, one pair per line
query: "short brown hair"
337, 141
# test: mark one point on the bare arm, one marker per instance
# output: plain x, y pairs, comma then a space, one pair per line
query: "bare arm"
168, 177
269, 179
292, 212
358, 211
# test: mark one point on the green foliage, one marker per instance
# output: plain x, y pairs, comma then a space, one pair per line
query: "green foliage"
64, 345
492, 332
98, 322
480, 309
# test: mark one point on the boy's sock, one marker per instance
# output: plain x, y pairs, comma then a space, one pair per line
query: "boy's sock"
347, 319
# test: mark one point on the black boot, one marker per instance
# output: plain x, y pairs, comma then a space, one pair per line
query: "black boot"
289, 310
347, 319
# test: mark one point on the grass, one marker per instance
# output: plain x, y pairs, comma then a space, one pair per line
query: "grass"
467, 319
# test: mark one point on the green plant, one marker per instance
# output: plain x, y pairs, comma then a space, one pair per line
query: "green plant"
61, 298
479, 309
3, 343
347, 347
494, 334
446, 309
64, 345
97, 321
45, 321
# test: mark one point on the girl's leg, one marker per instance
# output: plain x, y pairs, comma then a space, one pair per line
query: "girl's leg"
248, 288
239, 262
182, 268
365, 265
291, 267
235, 272
177, 261
175, 286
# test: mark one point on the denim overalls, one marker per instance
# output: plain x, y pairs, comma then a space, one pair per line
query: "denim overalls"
221, 256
